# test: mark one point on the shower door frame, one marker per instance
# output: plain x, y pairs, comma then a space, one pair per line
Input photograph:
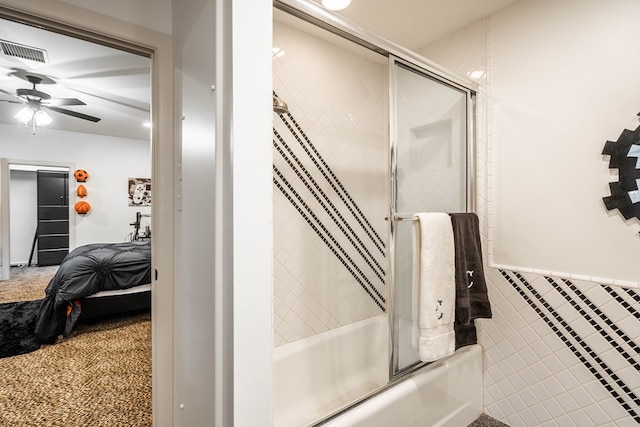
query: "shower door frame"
393, 215
315, 14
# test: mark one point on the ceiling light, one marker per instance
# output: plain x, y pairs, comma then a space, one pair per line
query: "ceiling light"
36, 116
147, 124
476, 74
24, 115
336, 4
42, 118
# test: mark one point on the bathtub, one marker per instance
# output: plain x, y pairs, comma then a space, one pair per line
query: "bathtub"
325, 373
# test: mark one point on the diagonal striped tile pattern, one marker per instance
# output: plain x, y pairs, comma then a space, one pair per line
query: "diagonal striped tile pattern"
329, 177
562, 353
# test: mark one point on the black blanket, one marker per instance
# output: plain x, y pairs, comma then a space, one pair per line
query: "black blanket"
17, 327
88, 270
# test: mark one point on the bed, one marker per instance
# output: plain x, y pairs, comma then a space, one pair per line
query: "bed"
95, 280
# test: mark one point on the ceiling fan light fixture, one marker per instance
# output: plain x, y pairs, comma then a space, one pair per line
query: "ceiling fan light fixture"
42, 118
24, 115
336, 4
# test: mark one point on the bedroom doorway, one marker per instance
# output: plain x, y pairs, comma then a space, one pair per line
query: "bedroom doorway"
97, 97
113, 149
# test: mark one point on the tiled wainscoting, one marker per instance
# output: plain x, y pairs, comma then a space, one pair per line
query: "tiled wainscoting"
561, 352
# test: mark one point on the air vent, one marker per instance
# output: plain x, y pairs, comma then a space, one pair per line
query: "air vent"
23, 52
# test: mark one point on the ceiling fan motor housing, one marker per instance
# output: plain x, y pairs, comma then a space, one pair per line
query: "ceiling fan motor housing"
32, 93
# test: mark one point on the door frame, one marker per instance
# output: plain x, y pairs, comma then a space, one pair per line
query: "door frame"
5, 200
84, 23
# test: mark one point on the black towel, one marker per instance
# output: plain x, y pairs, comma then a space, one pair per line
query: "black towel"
472, 300
465, 333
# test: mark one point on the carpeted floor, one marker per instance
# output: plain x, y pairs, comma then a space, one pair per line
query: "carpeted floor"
27, 283
99, 376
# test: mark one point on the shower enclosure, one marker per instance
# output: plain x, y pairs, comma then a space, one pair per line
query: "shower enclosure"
365, 134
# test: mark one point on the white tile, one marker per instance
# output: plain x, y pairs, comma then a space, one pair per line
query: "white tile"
597, 415
614, 311
506, 408
581, 419
517, 362
517, 382
581, 397
506, 387
553, 385
494, 392
625, 421
631, 377
540, 371
613, 409
567, 403
553, 408
581, 374
528, 397
566, 421
517, 403
542, 350
540, 413
597, 391
540, 392
614, 360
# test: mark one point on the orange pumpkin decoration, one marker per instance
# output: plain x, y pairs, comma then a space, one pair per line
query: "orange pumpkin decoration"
81, 175
81, 191
82, 207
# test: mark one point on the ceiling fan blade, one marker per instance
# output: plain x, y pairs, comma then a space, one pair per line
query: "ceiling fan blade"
13, 95
11, 101
72, 113
64, 101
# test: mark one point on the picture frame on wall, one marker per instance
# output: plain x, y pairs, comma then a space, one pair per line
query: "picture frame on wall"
139, 192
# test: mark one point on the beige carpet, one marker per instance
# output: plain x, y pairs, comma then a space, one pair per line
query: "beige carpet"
99, 376
27, 283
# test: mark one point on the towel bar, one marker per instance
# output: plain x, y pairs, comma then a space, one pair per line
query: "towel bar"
399, 218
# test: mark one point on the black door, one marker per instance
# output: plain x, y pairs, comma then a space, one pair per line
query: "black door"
53, 217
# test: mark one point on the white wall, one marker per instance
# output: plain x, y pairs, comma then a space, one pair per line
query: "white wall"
195, 104
251, 168
557, 351
224, 329
24, 215
109, 161
564, 81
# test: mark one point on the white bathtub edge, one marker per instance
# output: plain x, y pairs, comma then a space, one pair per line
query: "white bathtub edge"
447, 393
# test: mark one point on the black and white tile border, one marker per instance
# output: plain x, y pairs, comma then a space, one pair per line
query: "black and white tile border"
618, 340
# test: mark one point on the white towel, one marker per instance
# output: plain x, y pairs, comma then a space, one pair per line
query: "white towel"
434, 290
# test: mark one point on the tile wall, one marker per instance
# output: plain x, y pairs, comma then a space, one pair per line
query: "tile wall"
557, 352
330, 184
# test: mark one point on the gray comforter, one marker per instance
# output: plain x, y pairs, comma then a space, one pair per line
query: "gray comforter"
87, 270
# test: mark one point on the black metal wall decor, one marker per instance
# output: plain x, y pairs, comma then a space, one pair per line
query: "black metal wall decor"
625, 153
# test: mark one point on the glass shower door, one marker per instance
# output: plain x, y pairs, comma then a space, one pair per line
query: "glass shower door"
429, 173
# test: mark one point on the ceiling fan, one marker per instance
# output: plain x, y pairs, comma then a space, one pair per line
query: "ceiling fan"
36, 101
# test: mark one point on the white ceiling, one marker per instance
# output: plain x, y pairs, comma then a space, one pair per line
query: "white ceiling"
115, 85
416, 23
